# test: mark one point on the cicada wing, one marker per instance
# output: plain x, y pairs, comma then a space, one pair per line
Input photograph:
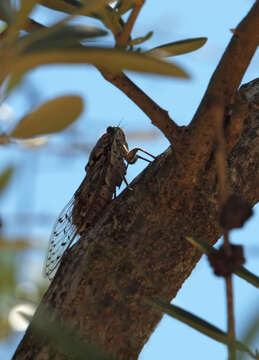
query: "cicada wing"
64, 233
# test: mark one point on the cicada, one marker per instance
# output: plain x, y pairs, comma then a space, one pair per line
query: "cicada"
105, 171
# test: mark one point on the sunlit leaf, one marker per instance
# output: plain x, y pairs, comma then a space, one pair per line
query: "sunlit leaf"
5, 177
177, 47
53, 116
240, 271
196, 323
113, 60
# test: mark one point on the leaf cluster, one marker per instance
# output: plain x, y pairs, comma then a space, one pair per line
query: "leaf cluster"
26, 44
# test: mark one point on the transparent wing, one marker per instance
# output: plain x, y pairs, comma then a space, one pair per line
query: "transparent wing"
64, 233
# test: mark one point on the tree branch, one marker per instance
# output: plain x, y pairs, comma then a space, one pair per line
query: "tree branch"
138, 248
221, 91
157, 115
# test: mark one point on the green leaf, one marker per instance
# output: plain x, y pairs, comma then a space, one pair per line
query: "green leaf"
241, 271
189, 319
74, 7
62, 37
67, 6
77, 32
113, 60
5, 177
141, 39
177, 47
196, 323
53, 116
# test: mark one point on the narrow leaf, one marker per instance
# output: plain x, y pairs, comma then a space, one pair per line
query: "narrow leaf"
53, 116
112, 59
177, 47
67, 6
5, 177
141, 39
241, 271
62, 37
196, 323
189, 319
74, 7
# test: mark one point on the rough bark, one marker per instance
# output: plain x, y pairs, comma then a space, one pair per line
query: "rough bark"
138, 247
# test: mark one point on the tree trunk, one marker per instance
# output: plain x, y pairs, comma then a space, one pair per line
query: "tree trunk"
137, 248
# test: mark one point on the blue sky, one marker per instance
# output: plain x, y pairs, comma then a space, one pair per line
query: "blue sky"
54, 178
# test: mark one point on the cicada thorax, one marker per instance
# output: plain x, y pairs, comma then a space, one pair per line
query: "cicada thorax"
105, 171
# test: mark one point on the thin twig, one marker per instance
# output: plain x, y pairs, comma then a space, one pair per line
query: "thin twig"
158, 116
122, 39
230, 305
220, 155
231, 318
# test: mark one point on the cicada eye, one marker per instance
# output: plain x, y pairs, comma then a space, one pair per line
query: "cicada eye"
110, 130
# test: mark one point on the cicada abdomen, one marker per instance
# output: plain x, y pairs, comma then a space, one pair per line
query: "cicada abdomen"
105, 171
